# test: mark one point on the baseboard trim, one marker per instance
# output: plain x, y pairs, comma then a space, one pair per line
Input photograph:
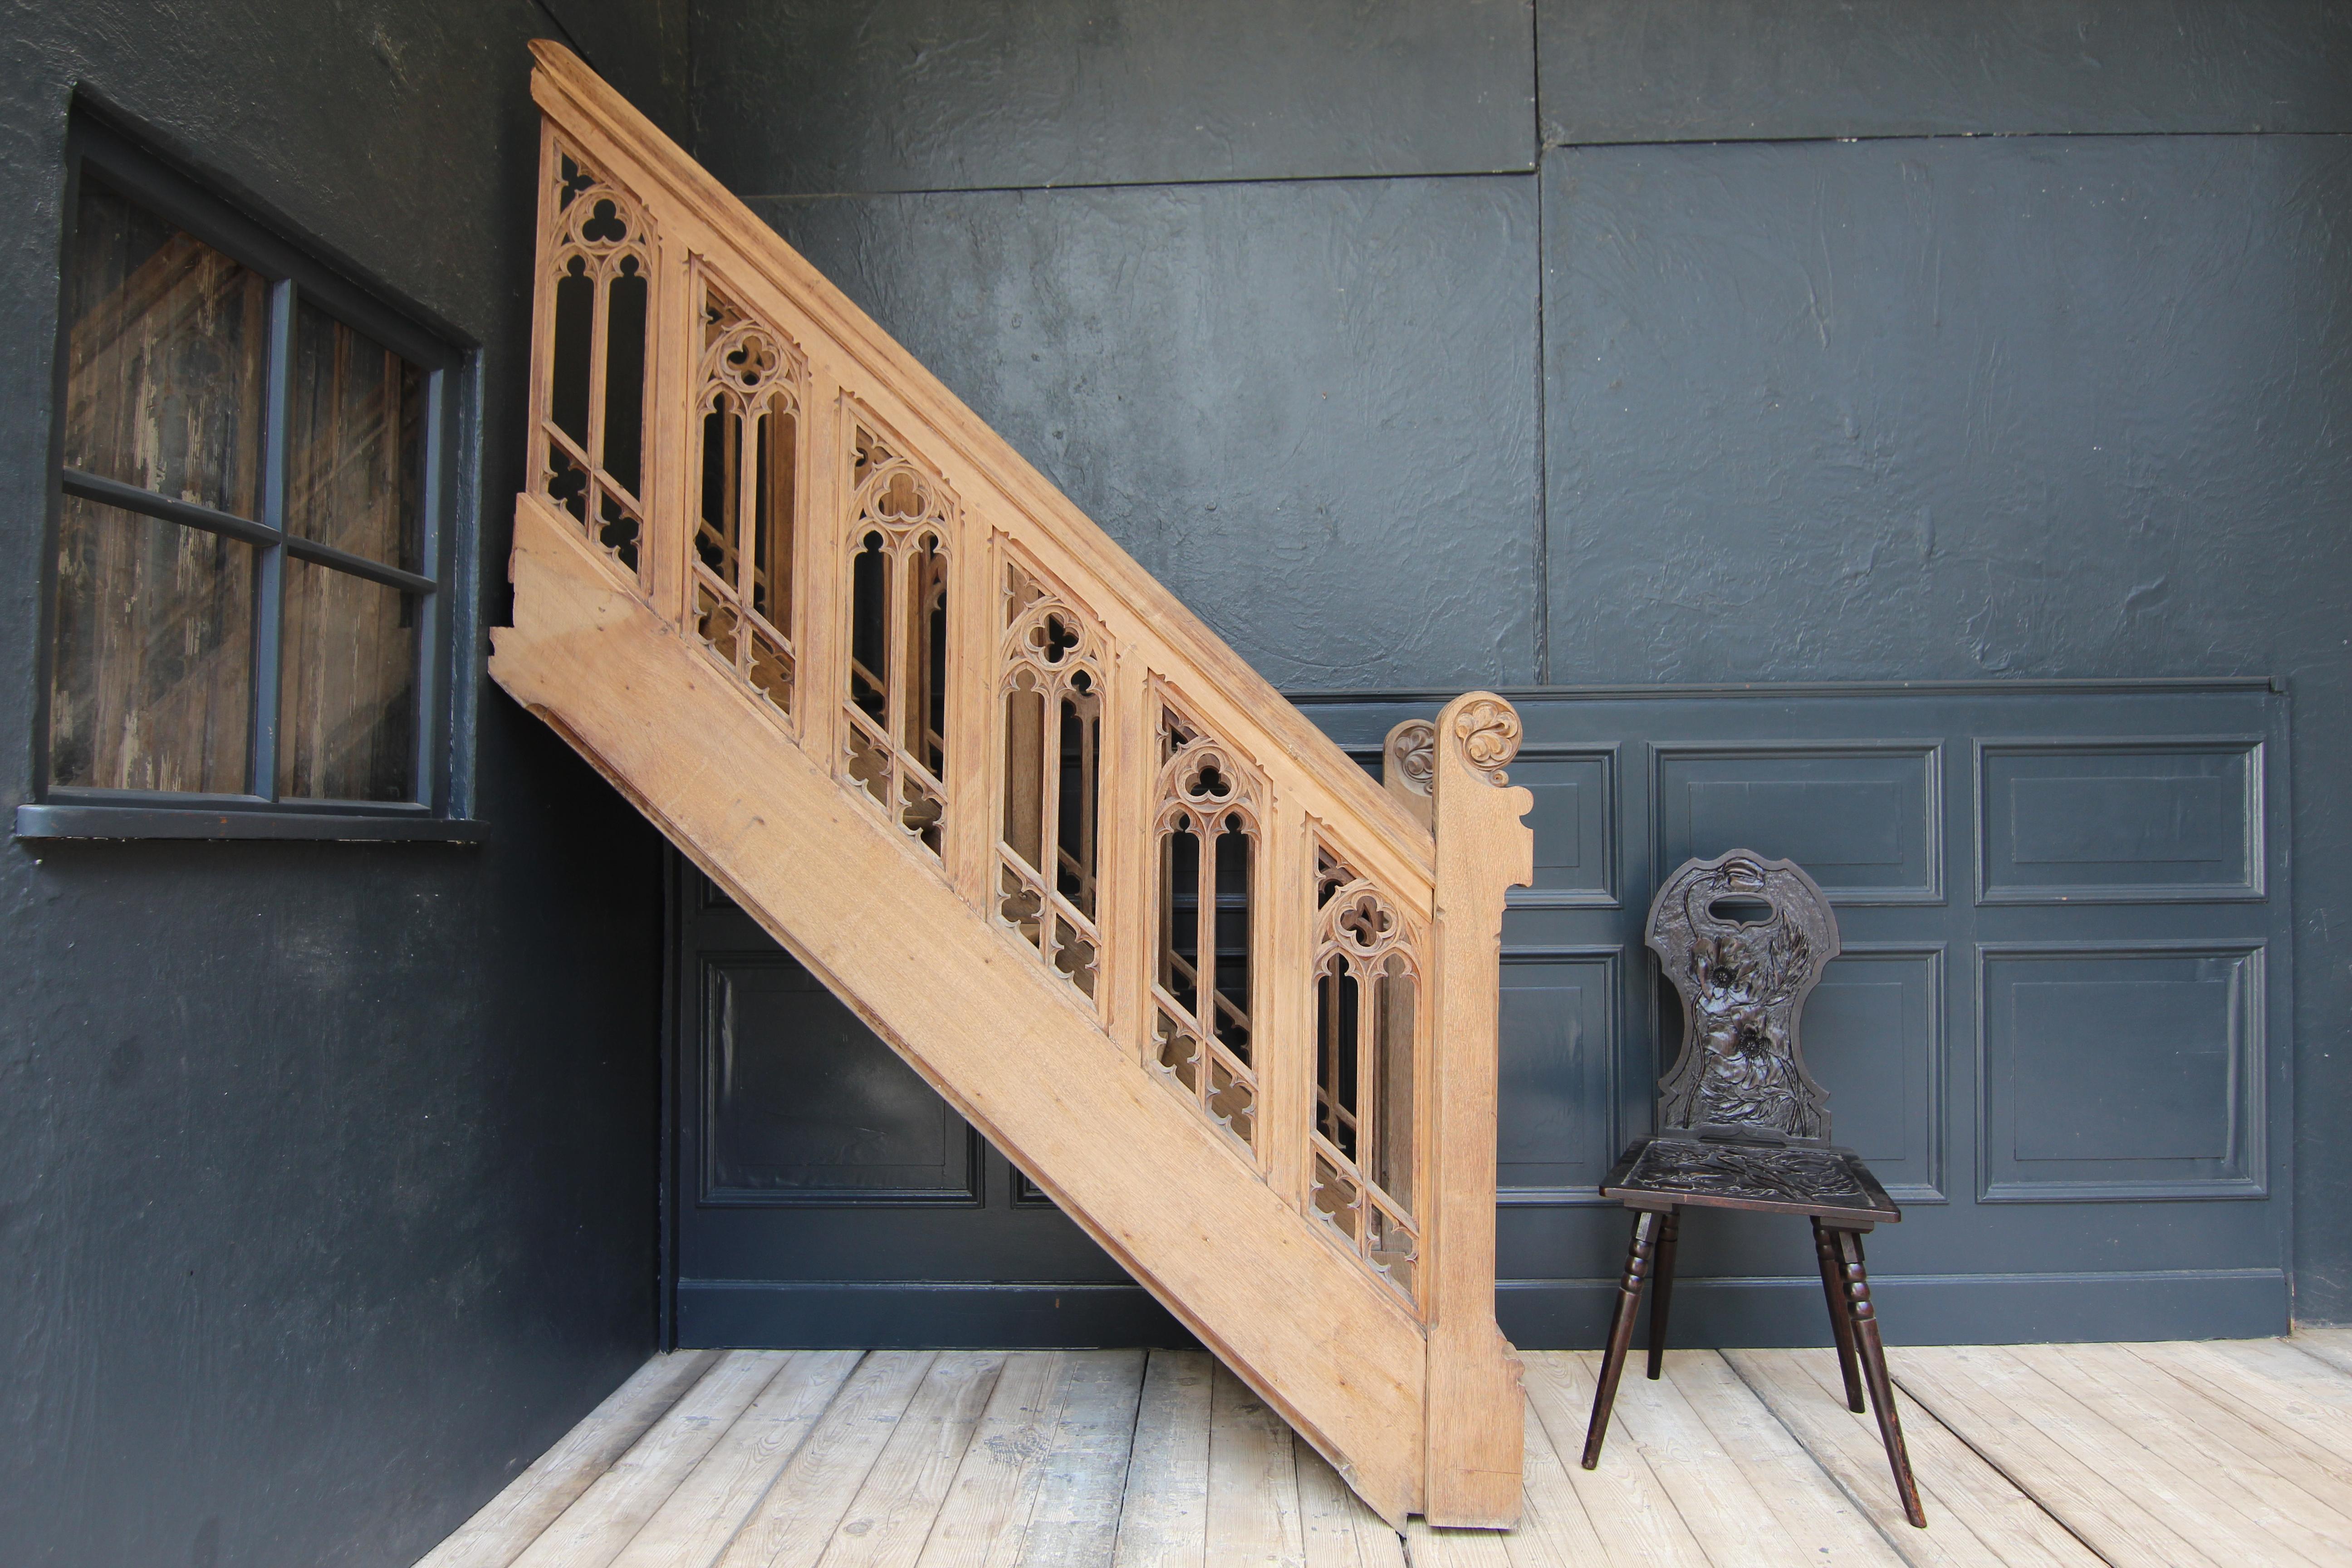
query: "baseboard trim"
1918, 1310
755, 1314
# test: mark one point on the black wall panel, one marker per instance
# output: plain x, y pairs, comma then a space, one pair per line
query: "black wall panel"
327, 1183
1308, 408
2046, 375
2081, 1102
802, 98
1721, 70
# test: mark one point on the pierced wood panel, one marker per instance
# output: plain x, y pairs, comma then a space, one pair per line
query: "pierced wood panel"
1208, 837
1369, 1009
1049, 850
902, 522
595, 318
748, 397
785, 492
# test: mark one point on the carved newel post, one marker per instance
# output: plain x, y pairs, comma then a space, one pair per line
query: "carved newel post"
1483, 848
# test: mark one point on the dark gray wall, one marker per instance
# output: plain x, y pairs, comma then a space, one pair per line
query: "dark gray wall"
326, 1170
1403, 377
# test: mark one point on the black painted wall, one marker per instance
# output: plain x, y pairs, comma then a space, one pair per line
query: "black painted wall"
326, 1170
1426, 345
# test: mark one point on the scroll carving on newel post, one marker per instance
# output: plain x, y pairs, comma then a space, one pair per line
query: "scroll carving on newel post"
1483, 848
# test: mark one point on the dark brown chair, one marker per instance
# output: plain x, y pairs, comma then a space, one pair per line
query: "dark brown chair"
1741, 1126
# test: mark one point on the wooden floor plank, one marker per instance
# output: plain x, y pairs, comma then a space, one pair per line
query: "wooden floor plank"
984, 1517
2181, 1483
2333, 1346
1337, 1528
2206, 1440
1637, 1521
794, 1522
534, 1499
2294, 1423
1074, 1523
2314, 1393
1163, 1519
593, 1531
890, 1518
1812, 1508
1718, 1495
1553, 1526
1973, 1393
1427, 1548
1253, 1481
711, 1503
1976, 1517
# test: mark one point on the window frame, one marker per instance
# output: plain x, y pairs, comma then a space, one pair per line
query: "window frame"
439, 781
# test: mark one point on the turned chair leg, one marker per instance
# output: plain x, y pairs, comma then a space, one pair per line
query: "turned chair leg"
1825, 1255
1863, 1321
1620, 1331
1662, 1290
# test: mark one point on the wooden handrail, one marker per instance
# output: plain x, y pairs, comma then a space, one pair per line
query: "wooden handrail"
1308, 959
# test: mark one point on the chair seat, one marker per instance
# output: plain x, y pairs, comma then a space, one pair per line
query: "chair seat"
1672, 1169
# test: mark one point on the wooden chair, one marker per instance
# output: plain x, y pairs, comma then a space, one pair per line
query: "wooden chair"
1741, 1125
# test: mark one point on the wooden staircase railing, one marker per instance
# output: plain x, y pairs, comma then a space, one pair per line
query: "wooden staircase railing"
1229, 1002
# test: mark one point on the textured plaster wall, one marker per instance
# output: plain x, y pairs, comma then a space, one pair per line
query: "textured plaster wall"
1424, 344
326, 1170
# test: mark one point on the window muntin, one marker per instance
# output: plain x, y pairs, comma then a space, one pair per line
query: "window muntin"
246, 608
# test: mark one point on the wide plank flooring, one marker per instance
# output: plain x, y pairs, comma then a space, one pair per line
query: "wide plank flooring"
2205, 1454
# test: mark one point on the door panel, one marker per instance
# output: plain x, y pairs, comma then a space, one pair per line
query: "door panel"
820, 1194
2058, 1029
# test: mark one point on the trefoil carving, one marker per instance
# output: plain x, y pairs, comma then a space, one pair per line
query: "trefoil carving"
1048, 849
901, 525
596, 248
1370, 1007
1206, 832
748, 407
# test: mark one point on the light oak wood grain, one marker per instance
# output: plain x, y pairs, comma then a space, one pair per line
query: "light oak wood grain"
1400, 1379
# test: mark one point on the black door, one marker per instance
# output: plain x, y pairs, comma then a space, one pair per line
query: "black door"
820, 1194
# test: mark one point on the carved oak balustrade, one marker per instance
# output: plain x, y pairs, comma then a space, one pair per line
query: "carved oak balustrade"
876, 600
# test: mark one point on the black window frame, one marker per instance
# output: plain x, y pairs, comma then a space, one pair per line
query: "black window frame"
440, 781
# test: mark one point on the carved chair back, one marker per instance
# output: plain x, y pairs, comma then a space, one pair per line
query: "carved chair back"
1743, 938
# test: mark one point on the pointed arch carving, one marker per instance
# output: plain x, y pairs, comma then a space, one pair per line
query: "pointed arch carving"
750, 389
901, 530
1371, 1011
1208, 826
595, 335
1054, 660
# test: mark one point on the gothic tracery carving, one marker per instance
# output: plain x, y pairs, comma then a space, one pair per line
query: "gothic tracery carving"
1049, 855
1366, 1077
748, 407
1206, 829
901, 522
591, 448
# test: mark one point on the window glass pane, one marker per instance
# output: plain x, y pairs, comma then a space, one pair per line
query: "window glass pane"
151, 686
355, 454
165, 358
347, 702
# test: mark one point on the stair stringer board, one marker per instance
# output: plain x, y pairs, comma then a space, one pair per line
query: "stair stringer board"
877, 922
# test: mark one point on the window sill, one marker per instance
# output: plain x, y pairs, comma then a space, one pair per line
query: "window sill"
62, 821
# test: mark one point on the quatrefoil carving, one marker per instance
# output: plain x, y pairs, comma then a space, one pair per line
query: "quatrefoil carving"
1364, 923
